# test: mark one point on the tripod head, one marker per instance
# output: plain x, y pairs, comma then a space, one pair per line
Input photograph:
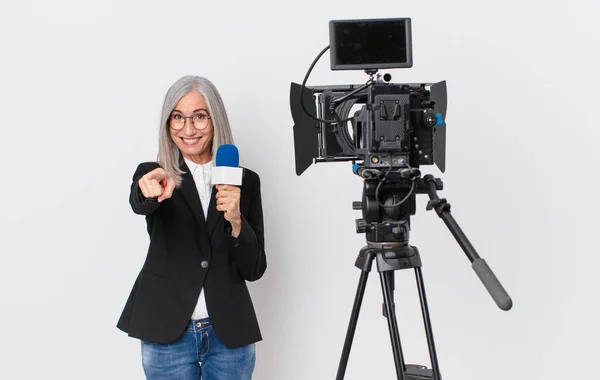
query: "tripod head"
388, 201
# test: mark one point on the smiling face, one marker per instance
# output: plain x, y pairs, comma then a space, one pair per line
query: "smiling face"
194, 144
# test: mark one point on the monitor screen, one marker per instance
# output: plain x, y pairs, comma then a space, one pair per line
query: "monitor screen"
370, 44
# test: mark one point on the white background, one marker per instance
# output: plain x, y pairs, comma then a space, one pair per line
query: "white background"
81, 87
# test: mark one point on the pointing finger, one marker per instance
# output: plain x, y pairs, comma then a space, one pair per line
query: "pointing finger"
168, 190
157, 174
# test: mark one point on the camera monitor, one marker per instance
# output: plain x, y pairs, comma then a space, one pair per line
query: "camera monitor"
370, 44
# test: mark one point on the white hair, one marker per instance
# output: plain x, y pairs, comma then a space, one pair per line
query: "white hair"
169, 155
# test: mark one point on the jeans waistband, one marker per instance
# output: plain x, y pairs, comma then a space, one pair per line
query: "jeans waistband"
196, 324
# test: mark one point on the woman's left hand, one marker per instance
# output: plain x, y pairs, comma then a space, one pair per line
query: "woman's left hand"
228, 200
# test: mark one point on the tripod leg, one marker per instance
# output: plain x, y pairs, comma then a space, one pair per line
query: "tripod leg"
360, 292
428, 329
387, 280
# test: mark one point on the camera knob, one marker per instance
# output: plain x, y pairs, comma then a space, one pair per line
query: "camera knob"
357, 205
430, 119
361, 226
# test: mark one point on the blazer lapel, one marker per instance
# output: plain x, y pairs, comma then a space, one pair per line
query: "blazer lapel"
214, 215
190, 195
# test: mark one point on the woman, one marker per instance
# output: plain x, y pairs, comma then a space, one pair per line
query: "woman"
190, 305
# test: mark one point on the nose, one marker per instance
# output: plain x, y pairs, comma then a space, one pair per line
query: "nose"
188, 127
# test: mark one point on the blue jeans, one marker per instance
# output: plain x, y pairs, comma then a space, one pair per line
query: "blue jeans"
197, 354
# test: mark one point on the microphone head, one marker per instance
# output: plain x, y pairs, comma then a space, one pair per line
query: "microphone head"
227, 155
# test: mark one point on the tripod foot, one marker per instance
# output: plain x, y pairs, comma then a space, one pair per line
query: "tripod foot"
418, 372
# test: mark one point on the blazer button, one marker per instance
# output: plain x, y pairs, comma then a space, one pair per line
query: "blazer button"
236, 244
204, 264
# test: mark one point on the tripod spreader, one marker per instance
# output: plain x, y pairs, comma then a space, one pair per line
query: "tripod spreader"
491, 283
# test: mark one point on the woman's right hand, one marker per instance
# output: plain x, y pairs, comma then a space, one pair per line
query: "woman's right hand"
157, 184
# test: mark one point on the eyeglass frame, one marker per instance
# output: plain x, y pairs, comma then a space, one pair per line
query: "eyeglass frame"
208, 118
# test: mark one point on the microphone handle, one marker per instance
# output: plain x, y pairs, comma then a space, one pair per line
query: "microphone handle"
491, 283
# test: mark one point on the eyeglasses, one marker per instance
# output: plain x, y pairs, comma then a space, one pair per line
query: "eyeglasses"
199, 120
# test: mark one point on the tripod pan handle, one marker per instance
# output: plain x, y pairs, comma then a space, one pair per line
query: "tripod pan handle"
491, 283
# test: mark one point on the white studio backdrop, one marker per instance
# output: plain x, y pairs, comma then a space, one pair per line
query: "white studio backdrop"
81, 88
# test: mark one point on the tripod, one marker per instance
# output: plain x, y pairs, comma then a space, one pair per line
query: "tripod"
387, 226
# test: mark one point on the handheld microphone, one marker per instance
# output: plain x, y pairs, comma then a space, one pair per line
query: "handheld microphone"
227, 170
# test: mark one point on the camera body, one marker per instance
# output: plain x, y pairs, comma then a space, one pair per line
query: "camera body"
398, 125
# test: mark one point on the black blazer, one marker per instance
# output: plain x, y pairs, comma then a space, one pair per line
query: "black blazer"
187, 253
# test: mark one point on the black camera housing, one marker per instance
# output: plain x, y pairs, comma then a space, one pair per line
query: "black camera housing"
399, 125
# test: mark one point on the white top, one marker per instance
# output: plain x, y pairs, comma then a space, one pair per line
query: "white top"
202, 178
